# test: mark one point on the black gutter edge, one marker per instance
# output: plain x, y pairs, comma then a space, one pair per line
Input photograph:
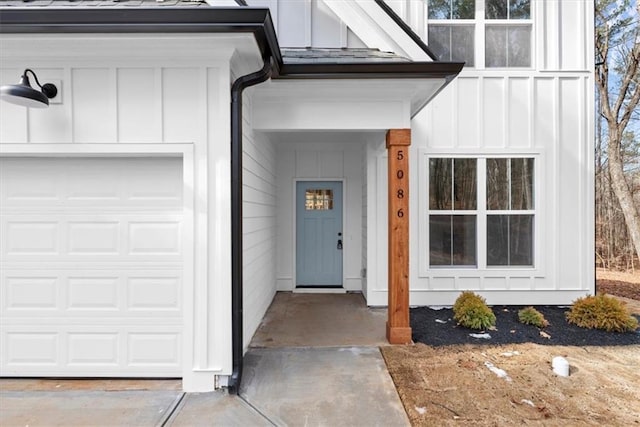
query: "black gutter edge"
242, 3
146, 20
398, 70
406, 28
237, 248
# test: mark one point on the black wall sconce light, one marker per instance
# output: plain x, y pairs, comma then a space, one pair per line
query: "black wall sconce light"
23, 94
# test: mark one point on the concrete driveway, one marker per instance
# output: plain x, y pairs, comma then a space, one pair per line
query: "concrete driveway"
346, 386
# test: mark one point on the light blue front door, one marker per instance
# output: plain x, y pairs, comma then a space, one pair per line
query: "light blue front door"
319, 239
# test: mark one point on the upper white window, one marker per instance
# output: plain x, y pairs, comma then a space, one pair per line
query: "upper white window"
483, 33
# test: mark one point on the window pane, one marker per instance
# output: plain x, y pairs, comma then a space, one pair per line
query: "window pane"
318, 200
521, 240
497, 184
452, 42
521, 184
440, 41
510, 240
495, 9
439, 9
519, 46
519, 9
497, 239
452, 9
462, 44
463, 9
495, 52
464, 240
452, 240
464, 186
440, 239
440, 184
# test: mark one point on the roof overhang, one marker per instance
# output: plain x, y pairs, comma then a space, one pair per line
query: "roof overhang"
256, 21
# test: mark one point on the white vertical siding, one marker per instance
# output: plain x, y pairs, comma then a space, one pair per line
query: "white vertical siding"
110, 105
469, 122
546, 116
179, 99
307, 23
84, 91
259, 223
139, 105
564, 32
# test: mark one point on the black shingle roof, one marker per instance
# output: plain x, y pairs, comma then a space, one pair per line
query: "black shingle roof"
344, 55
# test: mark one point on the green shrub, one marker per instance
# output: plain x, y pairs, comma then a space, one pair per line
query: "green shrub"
463, 298
471, 311
531, 316
601, 312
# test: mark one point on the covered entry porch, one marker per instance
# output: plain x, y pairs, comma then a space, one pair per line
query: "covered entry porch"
347, 144
321, 320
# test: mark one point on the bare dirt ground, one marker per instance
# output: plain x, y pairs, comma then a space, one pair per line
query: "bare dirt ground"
453, 385
625, 286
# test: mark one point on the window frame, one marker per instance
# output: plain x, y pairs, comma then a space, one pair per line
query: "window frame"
480, 23
481, 212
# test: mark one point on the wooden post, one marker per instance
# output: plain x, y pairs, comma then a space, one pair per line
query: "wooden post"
398, 327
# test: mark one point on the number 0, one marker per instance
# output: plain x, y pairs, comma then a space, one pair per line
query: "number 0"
400, 174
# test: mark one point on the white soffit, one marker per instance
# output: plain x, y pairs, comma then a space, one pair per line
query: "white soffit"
364, 104
152, 46
375, 28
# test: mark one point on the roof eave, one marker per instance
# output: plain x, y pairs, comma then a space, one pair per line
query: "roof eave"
388, 70
145, 20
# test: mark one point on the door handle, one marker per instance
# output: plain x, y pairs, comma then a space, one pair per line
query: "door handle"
340, 244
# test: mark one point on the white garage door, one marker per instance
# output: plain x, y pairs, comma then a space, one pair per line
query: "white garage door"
91, 266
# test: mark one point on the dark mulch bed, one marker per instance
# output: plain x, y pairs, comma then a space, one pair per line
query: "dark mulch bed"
619, 288
510, 331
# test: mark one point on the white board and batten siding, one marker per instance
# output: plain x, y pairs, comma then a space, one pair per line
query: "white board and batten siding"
306, 23
152, 114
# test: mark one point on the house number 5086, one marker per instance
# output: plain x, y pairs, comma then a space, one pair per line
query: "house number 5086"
400, 176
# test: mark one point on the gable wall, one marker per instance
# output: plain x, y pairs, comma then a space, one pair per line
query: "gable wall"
545, 112
308, 23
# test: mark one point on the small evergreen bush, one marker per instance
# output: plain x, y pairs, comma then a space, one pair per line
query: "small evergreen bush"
470, 310
601, 312
531, 316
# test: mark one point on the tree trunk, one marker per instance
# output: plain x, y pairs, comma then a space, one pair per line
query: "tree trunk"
621, 188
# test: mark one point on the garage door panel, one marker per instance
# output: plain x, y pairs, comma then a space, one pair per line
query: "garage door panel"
77, 293
91, 266
91, 183
92, 351
87, 238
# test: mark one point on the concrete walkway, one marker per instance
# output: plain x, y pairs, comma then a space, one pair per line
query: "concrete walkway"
314, 361
284, 387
